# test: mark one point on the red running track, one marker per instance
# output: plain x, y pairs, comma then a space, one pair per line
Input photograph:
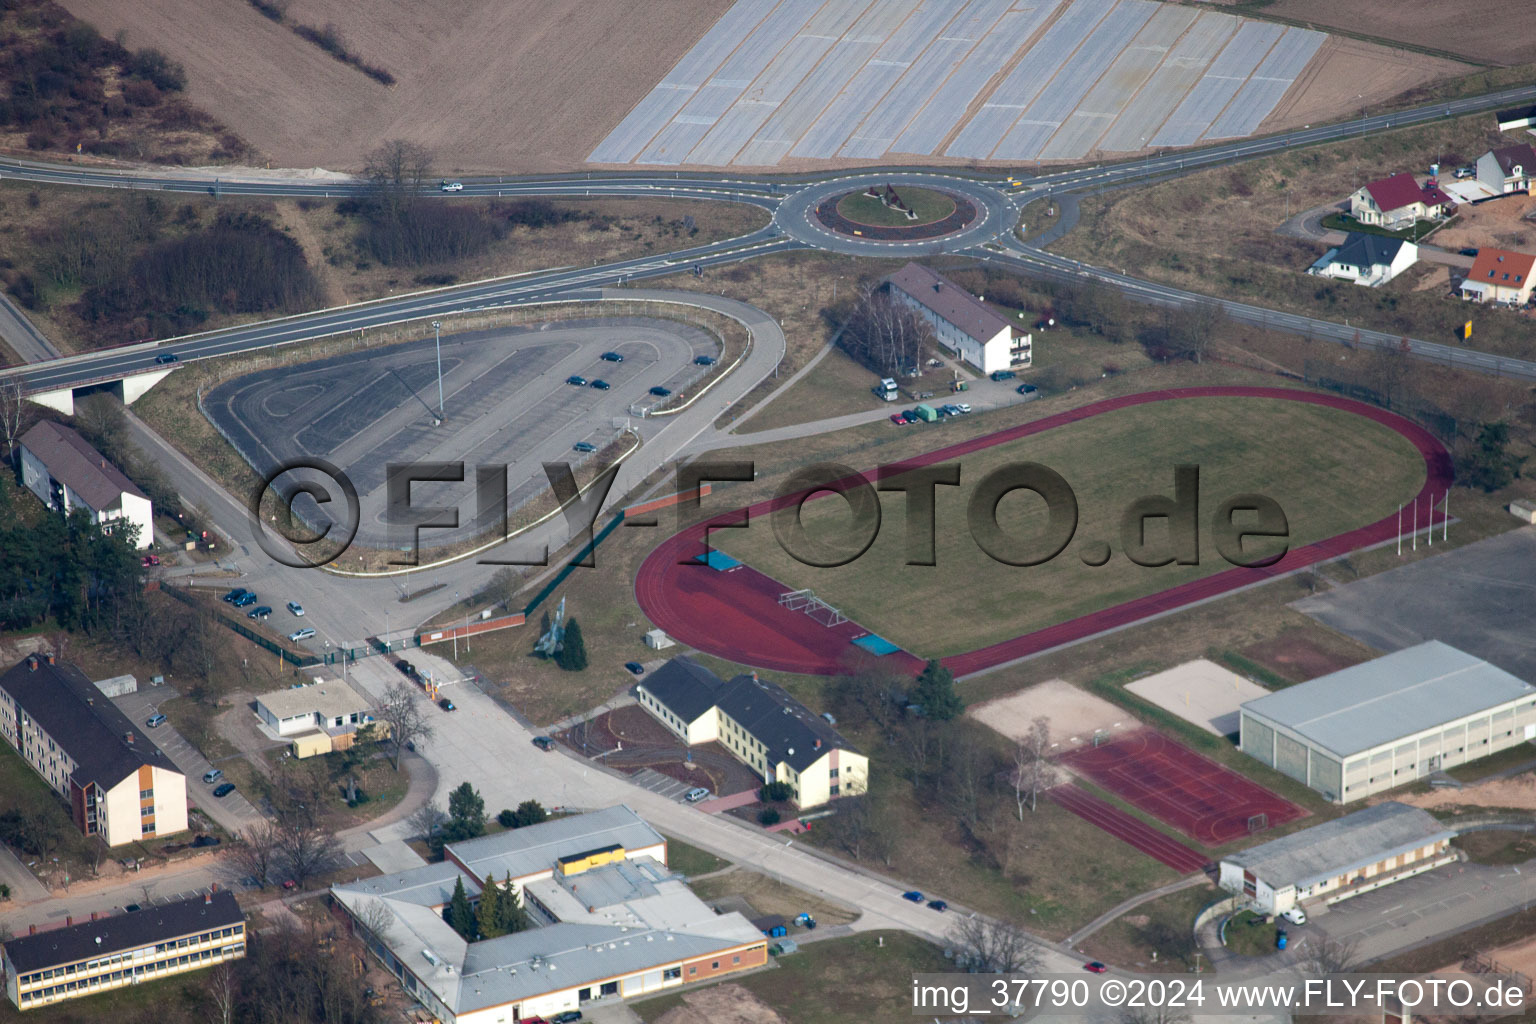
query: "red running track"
736, 616
1128, 829
1206, 801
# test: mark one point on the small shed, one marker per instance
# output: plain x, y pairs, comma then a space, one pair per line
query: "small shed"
657, 640
783, 947
118, 686
1523, 510
771, 925
311, 744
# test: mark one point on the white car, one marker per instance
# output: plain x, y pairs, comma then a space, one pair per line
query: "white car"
295, 607
1295, 915
452, 186
301, 634
963, 407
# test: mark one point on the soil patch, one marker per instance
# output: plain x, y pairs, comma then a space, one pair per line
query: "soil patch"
1075, 714
1298, 657
1518, 793
1508, 223
721, 1004
1500, 33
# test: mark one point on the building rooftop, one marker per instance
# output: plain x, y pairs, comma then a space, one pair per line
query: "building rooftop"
1501, 267
430, 886
1516, 114
521, 852
1521, 156
1364, 250
73, 462
122, 932
685, 687
105, 746
950, 301
1337, 847
1397, 695
1402, 190
330, 698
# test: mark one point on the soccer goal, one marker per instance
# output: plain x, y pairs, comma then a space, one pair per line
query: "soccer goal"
806, 601
1257, 823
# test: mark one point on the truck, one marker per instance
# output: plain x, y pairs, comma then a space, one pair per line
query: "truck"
925, 412
886, 389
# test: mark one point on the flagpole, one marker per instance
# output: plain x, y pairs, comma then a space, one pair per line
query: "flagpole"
1431, 511
1415, 524
1445, 522
1399, 529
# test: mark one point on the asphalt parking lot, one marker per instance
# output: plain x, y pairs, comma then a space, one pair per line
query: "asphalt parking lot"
505, 401
233, 812
1477, 598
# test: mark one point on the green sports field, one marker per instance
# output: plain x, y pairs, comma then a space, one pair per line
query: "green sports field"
927, 204
1330, 471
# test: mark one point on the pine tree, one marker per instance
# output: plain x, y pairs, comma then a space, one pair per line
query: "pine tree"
459, 915
511, 917
488, 914
573, 656
935, 693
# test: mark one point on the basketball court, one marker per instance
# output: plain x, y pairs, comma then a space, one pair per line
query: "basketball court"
1201, 692
1075, 715
1204, 800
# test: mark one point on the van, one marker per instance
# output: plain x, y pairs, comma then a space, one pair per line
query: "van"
213, 775
696, 794
301, 634
1295, 915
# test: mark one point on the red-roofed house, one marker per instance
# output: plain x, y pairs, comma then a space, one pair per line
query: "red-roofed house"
1399, 202
1498, 275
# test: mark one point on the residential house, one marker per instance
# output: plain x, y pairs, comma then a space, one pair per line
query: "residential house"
119, 785
961, 322
65, 472
1370, 260
1499, 276
1399, 202
761, 725
1508, 169
320, 717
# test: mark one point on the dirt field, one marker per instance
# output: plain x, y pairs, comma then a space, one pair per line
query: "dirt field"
721, 1004
1201, 692
1298, 657
487, 85
1508, 223
1518, 792
1501, 31
1074, 714
1348, 75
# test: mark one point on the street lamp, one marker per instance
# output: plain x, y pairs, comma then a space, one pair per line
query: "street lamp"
437, 334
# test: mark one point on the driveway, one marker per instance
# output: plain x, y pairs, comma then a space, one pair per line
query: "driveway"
234, 813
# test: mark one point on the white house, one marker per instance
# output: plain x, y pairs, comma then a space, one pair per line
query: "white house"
1398, 202
1500, 276
65, 472
1369, 260
1508, 169
960, 321
326, 704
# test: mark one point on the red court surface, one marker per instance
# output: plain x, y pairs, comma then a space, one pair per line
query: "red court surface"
1207, 802
1128, 829
735, 615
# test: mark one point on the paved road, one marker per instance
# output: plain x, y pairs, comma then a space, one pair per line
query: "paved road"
21, 335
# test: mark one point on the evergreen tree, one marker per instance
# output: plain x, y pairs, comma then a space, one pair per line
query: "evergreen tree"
458, 914
488, 914
466, 814
529, 812
511, 917
573, 656
935, 693
1489, 464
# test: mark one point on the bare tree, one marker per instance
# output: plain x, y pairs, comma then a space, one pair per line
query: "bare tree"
1153, 1015
885, 334
1387, 368
12, 406
396, 172
223, 989
375, 917
1031, 764
257, 852
991, 946
401, 710
309, 851
1192, 327
1326, 954
427, 820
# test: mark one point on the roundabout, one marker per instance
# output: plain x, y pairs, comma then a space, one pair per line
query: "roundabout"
865, 215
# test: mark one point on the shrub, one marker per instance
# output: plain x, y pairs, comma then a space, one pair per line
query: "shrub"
775, 791
506, 818
155, 67
768, 816
141, 94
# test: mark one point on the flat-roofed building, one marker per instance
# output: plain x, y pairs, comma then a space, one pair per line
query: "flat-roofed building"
1339, 859
761, 725
123, 949
119, 785
1390, 721
65, 472
961, 322
609, 921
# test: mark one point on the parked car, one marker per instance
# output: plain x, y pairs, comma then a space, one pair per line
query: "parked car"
202, 841
661, 392
213, 775
696, 794
245, 599
938, 905
635, 667
1003, 375
224, 790
898, 419
451, 186
566, 1017
1295, 915
704, 360
447, 705
584, 446
913, 895
600, 384
576, 381
295, 607
149, 560
910, 416
544, 743
290, 884
611, 357
235, 594
154, 721
964, 407
259, 612
301, 634
1027, 389
1094, 967
167, 357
